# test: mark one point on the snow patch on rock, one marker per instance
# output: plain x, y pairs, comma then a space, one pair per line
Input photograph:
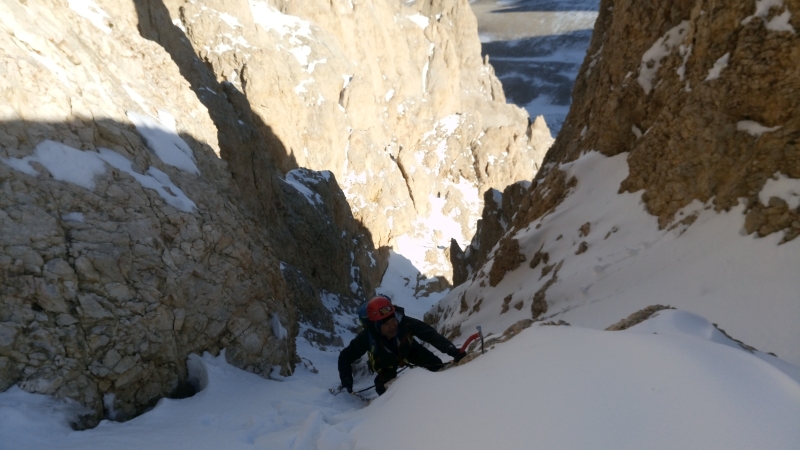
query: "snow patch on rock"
782, 187
651, 60
754, 128
162, 138
719, 64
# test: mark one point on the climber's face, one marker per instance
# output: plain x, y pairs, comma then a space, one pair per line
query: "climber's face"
389, 329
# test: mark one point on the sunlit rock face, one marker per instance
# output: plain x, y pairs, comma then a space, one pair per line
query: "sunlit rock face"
394, 99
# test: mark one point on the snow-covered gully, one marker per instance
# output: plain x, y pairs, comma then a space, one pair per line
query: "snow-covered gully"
673, 381
413, 164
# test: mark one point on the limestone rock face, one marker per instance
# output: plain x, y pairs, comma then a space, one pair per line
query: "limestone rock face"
394, 100
703, 95
125, 241
498, 213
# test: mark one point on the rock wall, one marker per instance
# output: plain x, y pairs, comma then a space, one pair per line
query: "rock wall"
125, 241
704, 95
258, 160
394, 100
498, 213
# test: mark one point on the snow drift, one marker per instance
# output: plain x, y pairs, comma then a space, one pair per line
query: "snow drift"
669, 382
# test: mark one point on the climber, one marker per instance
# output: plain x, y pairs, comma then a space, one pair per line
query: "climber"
388, 336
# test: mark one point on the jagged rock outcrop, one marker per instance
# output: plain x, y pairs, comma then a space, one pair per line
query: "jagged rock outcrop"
703, 95
637, 317
326, 245
498, 211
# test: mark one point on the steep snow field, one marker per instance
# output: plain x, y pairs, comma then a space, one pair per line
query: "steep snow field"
668, 383
747, 285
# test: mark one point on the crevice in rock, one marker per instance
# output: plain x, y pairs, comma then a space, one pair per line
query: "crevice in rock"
241, 148
475, 163
405, 178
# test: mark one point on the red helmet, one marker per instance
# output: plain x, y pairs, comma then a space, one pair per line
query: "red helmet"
379, 308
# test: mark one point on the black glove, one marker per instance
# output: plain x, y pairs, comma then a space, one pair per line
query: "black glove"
380, 388
456, 354
348, 384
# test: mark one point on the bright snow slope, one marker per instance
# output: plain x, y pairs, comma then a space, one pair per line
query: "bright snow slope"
747, 285
670, 382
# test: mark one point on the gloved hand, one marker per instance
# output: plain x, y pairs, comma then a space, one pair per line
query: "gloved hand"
380, 388
456, 354
347, 383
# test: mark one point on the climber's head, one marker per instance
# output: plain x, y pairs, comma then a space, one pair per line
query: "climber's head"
380, 311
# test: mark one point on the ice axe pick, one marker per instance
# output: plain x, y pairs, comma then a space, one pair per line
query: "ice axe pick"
477, 335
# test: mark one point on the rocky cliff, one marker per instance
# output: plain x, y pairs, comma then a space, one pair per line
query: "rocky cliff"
703, 95
689, 109
181, 177
394, 100
125, 245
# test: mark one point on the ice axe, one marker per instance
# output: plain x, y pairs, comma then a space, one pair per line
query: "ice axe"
477, 335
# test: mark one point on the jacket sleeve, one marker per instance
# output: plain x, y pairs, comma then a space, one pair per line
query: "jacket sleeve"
350, 354
428, 334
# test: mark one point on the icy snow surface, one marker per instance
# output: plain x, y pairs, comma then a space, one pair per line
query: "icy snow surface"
63, 162
720, 64
277, 329
754, 128
400, 281
420, 20
669, 383
153, 179
748, 285
272, 19
782, 187
52, 66
778, 22
298, 180
289, 28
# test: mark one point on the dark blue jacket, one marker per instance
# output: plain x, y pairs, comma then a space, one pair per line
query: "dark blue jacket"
387, 355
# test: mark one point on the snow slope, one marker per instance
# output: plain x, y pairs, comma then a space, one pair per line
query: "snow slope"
747, 285
561, 388
549, 387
